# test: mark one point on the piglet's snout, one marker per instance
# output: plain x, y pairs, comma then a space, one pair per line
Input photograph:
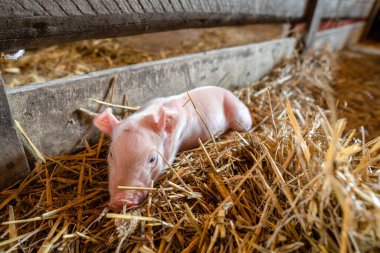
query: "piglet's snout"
128, 198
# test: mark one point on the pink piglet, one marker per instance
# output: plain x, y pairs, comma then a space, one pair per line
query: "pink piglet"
164, 126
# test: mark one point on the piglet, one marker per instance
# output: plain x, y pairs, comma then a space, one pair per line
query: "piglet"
164, 126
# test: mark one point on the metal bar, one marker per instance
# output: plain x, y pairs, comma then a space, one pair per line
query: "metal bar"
313, 17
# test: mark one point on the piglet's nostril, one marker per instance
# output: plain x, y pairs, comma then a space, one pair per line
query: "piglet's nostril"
115, 207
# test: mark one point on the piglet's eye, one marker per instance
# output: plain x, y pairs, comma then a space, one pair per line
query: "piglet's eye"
110, 154
152, 159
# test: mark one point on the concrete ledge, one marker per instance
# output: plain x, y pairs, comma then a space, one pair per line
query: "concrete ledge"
49, 111
338, 38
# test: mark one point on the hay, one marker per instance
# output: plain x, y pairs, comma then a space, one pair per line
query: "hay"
299, 181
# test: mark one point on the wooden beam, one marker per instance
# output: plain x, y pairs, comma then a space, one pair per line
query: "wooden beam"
49, 111
36, 23
13, 163
371, 19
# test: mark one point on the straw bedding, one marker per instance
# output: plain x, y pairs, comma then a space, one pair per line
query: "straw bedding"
299, 181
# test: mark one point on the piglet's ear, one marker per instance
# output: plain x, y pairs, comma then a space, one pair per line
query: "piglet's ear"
171, 120
106, 121
160, 120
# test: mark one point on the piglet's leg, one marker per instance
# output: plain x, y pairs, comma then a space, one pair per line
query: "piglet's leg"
236, 110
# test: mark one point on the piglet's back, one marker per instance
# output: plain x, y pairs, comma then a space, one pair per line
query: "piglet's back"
219, 108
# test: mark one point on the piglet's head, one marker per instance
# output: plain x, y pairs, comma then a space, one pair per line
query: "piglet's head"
134, 157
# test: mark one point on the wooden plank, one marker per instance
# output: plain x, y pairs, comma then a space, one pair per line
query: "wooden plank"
49, 111
38, 23
13, 163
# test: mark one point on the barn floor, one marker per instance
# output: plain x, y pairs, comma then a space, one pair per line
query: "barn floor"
301, 180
